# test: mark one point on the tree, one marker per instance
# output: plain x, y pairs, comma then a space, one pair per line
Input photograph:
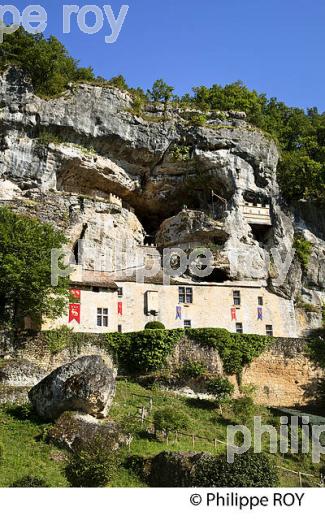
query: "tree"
25, 270
47, 61
118, 82
161, 92
221, 388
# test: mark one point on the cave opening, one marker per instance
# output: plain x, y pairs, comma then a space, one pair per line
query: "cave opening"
217, 276
76, 248
261, 233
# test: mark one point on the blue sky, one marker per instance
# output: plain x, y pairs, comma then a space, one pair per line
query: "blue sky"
274, 46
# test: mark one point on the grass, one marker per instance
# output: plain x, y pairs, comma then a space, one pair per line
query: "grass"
24, 451
27, 453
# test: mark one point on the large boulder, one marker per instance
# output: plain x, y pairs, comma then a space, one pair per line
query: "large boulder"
74, 430
85, 385
21, 372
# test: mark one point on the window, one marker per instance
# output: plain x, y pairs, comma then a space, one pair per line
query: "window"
185, 294
119, 328
102, 317
187, 324
237, 299
260, 301
239, 328
120, 292
269, 330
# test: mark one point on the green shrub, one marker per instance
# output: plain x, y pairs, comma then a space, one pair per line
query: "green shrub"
144, 351
92, 466
192, 369
303, 250
198, 119
58, 339
243, 409
181, 153
30, 482
235, 350
45, 138
169, 419
248, 470
315, 350
221, 388
1, 452
155, 325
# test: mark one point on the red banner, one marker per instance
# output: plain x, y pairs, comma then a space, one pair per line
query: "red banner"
75, 294
120, 308
234, 313
74, 312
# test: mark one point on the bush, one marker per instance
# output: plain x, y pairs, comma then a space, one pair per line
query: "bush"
303, 250
244, 409
169, 419
316, 349
175, 469
155, 325
221, 388
248, 470
1, 452
58, 339
192, 369
144, 351
30, 482
235, 350
198, 119
92, 466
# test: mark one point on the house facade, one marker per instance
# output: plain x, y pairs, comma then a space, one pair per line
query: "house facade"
100, 304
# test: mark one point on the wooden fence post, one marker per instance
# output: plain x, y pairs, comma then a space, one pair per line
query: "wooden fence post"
143, 414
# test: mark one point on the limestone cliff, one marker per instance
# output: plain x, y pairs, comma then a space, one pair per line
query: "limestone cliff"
178, 183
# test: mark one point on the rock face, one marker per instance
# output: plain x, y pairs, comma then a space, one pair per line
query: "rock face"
60, 159
190, 227
21, 373
86, 385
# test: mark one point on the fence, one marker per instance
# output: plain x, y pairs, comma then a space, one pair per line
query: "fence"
174, 438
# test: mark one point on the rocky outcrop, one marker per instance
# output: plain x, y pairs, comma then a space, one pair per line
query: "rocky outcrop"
13, 394
21, 373
73, 431
189, 228
85, 385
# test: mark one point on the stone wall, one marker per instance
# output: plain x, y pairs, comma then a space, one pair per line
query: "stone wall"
282, 376
36, 351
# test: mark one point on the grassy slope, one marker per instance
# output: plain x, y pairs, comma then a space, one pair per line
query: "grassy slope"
25, 451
